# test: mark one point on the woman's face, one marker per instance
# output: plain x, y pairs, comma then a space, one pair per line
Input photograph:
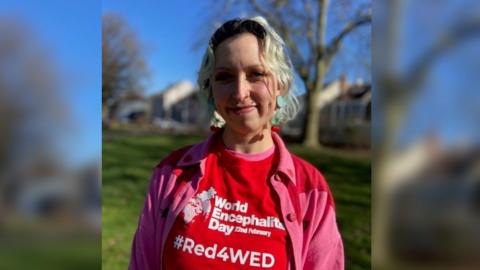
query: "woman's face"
244, 91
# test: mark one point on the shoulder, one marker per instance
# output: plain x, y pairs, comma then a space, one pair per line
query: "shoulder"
169, 166
308, 176
174, 157
188, 155
309, 179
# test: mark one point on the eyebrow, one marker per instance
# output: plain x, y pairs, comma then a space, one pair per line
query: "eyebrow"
248, 67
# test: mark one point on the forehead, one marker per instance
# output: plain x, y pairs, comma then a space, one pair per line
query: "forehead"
240, 49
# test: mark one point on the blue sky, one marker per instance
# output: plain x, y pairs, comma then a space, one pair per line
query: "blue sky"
168, 30
71, 32
447, 103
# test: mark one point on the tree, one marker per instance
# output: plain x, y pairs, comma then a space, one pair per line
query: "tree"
33, 114
123, 64
396, 89
313, 43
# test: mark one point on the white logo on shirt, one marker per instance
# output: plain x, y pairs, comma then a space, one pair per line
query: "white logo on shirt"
199, 204
223, 213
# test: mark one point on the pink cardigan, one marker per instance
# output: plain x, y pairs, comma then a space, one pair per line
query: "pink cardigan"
305, 199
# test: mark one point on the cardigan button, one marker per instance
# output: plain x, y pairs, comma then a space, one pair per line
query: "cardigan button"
291, 217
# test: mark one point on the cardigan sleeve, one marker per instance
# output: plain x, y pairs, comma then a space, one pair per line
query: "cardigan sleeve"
325, 248
322, 246
144, 255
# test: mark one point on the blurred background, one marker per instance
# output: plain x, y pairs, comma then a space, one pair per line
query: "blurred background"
50, 141
151, 52
426, 135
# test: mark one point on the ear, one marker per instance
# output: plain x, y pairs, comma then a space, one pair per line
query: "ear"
281, 90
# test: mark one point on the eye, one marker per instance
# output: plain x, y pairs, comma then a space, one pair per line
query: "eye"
258, 74
222, 76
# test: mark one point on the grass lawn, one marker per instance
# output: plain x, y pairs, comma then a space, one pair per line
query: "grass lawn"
128, 163
44, 254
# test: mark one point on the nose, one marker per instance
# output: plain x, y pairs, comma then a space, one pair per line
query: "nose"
241, 89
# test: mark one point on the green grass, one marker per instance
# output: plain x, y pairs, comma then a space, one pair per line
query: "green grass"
38, 252
128, 163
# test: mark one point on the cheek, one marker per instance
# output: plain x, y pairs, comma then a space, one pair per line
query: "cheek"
266, 96
268, 93
266, 102
220, 94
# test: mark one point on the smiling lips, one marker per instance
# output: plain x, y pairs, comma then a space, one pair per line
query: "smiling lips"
243, 109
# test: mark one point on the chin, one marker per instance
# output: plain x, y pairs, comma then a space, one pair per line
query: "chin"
247, 128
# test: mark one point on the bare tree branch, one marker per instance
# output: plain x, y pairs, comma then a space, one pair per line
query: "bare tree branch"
274, 17
123, 65
322, 23
309, 22
263, 12
349, 27
457, 34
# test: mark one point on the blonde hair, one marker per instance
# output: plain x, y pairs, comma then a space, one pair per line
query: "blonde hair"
276, 61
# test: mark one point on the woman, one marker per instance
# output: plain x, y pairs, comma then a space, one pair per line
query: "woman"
240, 200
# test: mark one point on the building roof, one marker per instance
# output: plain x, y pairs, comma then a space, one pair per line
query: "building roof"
176, 92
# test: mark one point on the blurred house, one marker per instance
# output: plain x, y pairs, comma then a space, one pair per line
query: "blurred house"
345, 119
131, 107
435, 202
45, 190
345, 114
179, 106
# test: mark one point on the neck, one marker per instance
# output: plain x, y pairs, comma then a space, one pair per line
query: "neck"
249, 143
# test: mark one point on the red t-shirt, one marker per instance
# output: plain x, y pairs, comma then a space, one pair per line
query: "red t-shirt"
233, 221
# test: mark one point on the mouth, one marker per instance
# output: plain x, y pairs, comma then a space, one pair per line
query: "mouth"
243, 109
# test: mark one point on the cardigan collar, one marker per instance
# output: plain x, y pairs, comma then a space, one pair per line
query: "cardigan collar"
197, 154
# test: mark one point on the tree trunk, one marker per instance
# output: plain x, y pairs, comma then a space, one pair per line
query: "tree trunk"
105, 116
312, 120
